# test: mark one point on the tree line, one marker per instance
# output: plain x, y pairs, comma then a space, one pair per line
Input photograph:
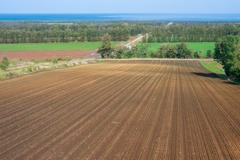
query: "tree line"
191, 33
44, 33
119, 31
142, 51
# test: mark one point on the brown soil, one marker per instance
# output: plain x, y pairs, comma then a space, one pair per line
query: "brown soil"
41, 55
166, 110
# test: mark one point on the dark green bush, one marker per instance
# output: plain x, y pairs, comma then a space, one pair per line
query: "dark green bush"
196, 55
209, 54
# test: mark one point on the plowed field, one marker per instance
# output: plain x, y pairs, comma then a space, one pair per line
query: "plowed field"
168, 109
42, 55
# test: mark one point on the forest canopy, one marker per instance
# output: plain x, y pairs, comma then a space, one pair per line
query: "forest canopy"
119, 31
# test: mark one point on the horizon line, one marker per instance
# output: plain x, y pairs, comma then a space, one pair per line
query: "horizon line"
129, 13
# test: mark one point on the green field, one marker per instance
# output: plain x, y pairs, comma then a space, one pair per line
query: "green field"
52, 46
200, 47
214, 67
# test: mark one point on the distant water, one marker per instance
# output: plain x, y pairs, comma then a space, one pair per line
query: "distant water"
123, 17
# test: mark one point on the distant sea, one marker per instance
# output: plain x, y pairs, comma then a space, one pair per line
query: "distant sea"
123, 17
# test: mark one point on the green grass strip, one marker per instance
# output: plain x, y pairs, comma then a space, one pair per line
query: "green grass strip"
52, 46
216, 68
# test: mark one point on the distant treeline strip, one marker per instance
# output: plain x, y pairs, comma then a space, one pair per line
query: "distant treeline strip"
191, 33
79, 32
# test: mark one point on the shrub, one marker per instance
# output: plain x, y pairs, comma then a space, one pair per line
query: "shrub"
183, 51
196, 55
174, 51
11, 74
119, 53
29, 69
4, 63
171, 52
106, 47
209, 54
55, 61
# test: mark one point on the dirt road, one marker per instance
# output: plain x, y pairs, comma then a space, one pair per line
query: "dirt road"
162, 110
134, 41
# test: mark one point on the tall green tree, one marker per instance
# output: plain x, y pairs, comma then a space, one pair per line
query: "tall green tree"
171, 52
162, 51
235, 66
227, 52
141, 51
224, 49
183, 51
106, 49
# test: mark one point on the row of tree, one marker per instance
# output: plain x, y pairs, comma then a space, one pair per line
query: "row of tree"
38, 33
142, 51
191, 33
70, 32
175, 51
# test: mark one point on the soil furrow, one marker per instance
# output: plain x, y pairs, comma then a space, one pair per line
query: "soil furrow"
123, 109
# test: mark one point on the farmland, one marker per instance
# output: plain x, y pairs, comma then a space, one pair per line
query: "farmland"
201, 47
52, 46
42, 51
43, 55
132, 109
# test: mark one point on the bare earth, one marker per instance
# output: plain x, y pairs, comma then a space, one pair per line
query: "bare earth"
41, 55
114, 110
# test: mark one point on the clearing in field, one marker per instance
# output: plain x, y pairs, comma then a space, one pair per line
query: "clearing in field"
138, 109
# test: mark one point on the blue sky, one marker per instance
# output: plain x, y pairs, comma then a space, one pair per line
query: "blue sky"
119, 6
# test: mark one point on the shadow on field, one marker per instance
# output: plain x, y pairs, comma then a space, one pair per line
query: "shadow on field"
208, 75
230, 83
218, 76
233, 83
